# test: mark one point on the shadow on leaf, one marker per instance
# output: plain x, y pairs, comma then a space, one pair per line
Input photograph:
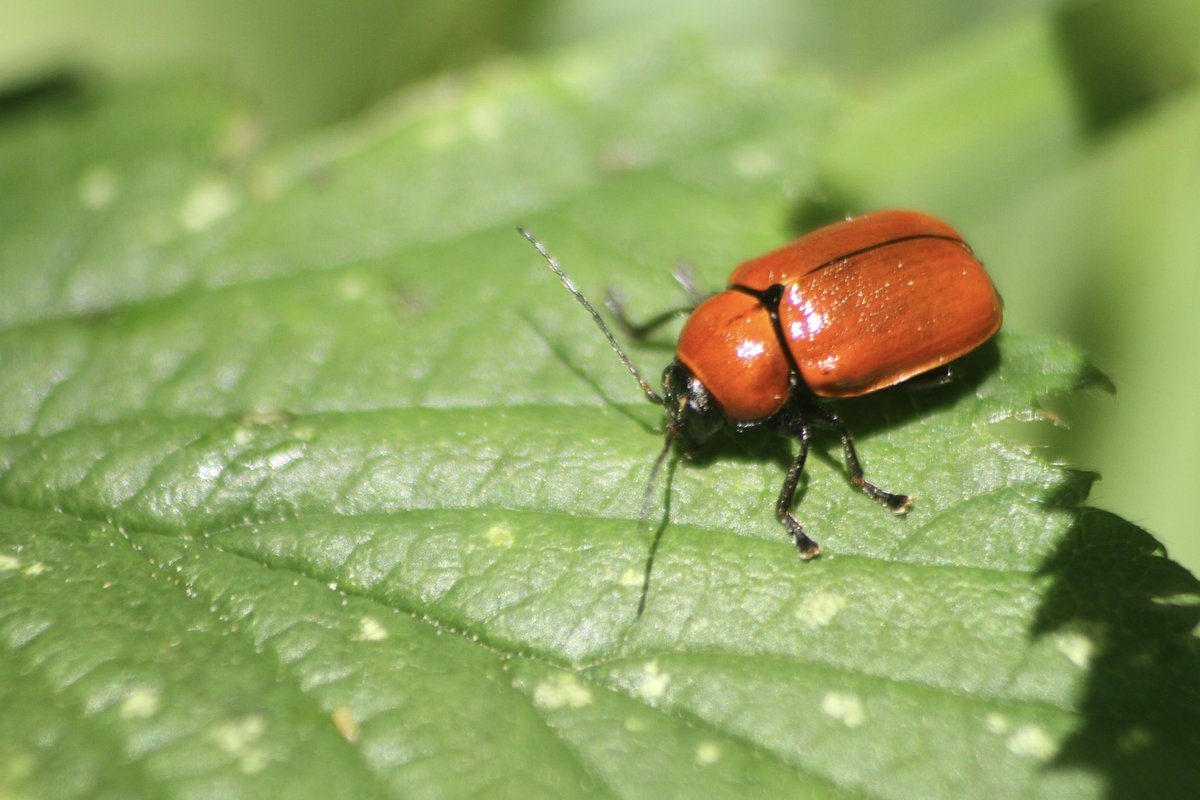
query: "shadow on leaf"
1141, 706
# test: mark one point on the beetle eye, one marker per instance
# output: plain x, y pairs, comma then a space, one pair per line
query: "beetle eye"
703, 415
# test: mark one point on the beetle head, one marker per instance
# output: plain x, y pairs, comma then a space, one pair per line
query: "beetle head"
692, 413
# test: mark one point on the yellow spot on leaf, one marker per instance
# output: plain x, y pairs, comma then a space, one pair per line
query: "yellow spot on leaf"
654, 681
140, 703
1077, 647
345, 723
500, 536
561, 690
1031, 741
818, 610
98, 187
209, 200
370, 630
844, 707
708, 753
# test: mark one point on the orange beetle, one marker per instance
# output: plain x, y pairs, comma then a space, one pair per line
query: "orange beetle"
843, 311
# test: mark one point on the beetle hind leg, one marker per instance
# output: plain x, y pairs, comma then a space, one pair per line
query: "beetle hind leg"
896, 503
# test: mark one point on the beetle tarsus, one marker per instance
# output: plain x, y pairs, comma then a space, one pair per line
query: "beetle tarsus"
896, 503
807, 547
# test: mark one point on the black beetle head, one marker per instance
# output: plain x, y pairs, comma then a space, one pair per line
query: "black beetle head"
692, 413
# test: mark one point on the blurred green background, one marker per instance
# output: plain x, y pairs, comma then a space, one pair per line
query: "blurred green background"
1062, 137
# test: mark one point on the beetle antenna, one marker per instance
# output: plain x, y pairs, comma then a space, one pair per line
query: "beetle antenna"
651, 395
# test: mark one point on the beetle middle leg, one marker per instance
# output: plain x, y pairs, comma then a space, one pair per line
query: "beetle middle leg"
783, 507
933, 379
897, 503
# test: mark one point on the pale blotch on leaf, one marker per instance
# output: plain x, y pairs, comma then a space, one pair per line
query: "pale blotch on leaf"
561, 690
487, 122
845, 707
996, 723
304, 433
500, 536
630, 578
8, 563
98, 187
34, 569
352, 287
208, 201
1134, 739
819, 609
708, 753
752, 161
654, 681
140, 703
441, 134
252, 761
583, 73
16, 766
1077, 647
370, 630
266, 181
238, 737
1032, 741
483, 123
635, 724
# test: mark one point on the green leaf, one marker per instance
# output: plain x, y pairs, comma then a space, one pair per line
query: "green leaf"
302, 62
314, 482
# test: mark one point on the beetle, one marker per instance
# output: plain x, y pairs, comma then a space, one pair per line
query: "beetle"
846, 310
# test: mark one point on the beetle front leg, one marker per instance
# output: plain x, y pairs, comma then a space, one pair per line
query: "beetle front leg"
641, 330
897, 503
783, 508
